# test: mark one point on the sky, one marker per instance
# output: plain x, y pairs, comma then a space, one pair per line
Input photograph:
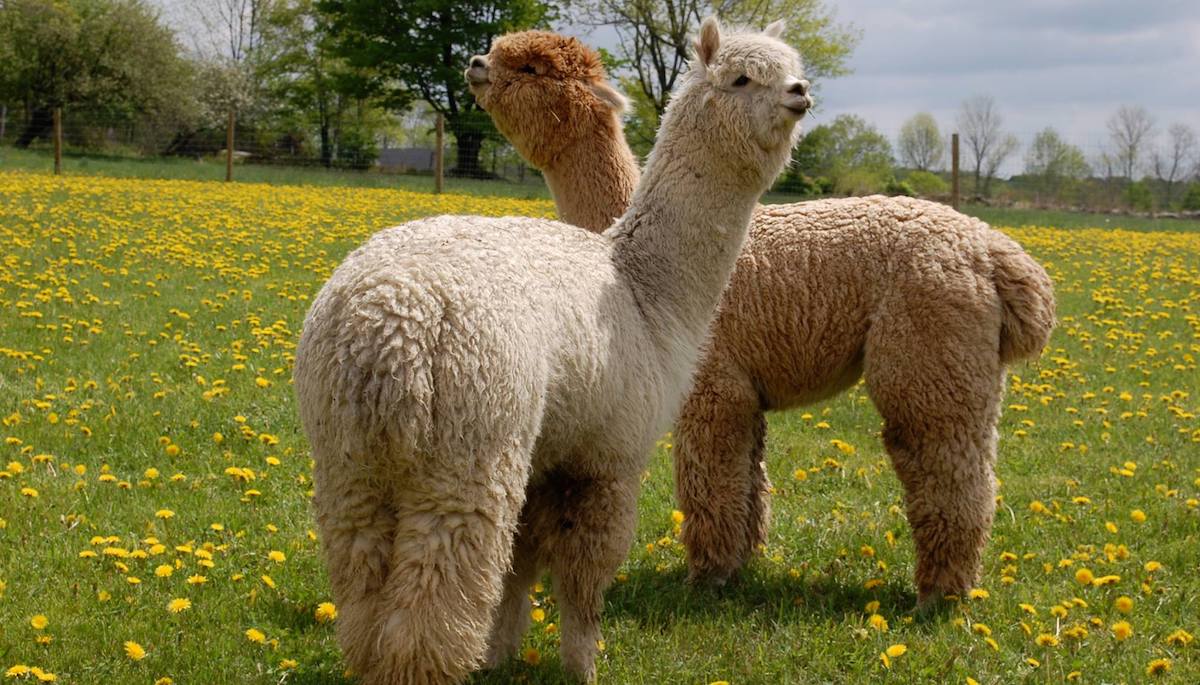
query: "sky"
1063, 63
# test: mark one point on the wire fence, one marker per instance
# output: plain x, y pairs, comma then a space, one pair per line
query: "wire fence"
412, 145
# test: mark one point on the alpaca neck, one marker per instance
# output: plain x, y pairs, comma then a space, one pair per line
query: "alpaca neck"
677, 244
593, 180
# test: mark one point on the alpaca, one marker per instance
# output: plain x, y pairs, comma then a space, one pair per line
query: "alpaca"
482, 395
926, 303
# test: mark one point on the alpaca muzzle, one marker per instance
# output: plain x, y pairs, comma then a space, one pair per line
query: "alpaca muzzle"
477, 73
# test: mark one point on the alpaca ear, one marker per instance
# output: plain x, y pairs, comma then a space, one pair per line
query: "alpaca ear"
775, 28
709, 40
609, 96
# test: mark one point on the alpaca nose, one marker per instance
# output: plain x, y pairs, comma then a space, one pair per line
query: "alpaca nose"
801, 87
479, 61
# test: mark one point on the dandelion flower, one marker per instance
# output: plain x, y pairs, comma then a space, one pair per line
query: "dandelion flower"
1180, 638
255, 635
39, 622
1138, 516
1158, 667
179, 604
1084, 576
1123, 604
134, 651
326, 612
1046, 640
1121, 630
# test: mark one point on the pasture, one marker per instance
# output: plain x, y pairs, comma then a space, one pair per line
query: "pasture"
154, 519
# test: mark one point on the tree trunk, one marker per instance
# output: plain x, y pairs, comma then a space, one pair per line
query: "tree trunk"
41, 125
326, 146
466, 164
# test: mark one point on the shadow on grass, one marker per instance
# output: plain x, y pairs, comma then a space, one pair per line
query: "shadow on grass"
655, 599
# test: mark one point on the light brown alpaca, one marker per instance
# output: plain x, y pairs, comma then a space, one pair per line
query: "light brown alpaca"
926, 303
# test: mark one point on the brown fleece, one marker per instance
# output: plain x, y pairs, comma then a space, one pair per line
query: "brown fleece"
926, 303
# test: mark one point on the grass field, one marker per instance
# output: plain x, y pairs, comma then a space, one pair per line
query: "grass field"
533, 189
154, 519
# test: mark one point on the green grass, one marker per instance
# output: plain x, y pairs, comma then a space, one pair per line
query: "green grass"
156, 314
1008, 216
212, 169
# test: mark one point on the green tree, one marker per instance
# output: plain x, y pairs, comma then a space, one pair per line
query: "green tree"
417, 49
656, 37
921, 145
311, 87
112, 57
853, 155
1054, 164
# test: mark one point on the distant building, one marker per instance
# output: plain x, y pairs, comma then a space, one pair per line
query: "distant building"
404, 159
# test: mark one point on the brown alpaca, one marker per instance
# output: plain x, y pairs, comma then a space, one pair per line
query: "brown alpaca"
926, 303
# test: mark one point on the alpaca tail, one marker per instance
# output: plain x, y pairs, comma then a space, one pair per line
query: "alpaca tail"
1026, 297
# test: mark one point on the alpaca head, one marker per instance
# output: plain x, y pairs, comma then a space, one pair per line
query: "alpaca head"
544, 92
740, 103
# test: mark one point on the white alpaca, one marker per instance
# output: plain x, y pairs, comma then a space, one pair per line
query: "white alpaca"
481, 395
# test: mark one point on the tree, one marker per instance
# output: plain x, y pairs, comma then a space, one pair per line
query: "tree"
1171, 164
921, 145
310, 86
1129, 130
417, 49
988, 145
1053, 162
656, 37
854, 156
111, 56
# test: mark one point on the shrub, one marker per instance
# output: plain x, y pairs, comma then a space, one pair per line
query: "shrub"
1191, 199
927, 184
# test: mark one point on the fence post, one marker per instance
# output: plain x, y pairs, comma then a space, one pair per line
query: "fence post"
229, 148
954, 170
57, 140
439, 164
3, 120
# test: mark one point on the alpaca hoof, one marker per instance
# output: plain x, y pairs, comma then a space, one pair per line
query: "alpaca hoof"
933, 603
712, 578
497, 655
582, 673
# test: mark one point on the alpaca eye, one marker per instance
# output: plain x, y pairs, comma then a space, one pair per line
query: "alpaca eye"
741, 81
527, 69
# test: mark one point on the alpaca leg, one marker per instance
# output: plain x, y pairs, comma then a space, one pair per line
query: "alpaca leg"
938, 384
595, 529
356, 525
949, 491
512, 616
720, 478
451, 551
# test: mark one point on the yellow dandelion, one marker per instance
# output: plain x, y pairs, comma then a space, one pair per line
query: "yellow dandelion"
326, 612
134, 651
1121, 630
1123, 604
1158, 667
255, 635
1138, 516
1084, 576
179, 604
39, 622
1046, 640
1180, 638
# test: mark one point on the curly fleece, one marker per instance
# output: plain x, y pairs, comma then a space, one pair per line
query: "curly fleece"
926, 303
481, 395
